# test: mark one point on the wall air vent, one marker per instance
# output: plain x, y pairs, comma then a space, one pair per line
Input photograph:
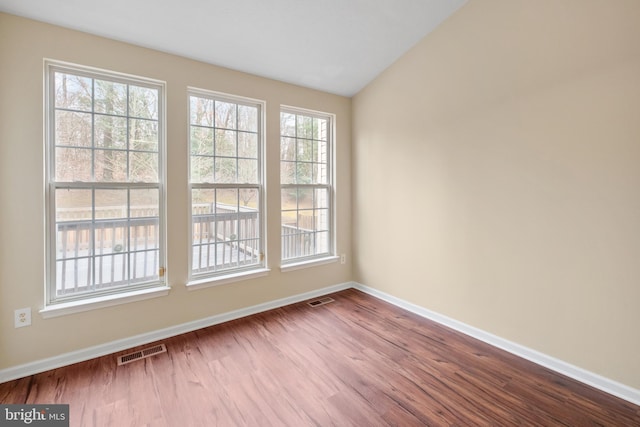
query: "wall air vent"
141, 354
321, 301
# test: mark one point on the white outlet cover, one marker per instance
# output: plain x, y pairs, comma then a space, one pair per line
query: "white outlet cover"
22, 317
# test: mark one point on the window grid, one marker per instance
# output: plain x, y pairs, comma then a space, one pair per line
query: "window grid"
306, 185
105, 192
225, 142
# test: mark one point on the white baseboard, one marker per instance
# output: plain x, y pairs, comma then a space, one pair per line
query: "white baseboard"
126, 343
607, 385
602, 383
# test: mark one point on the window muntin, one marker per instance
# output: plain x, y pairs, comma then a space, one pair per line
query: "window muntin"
306, 185
105, 191
225, 140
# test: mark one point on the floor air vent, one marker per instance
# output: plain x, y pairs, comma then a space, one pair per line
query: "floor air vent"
321, 301
141, 354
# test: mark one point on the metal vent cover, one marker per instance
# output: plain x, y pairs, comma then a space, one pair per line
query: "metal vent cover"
321, 301
141, 354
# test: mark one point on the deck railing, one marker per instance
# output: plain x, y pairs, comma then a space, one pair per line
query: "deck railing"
296, 242
225, 240
126, 250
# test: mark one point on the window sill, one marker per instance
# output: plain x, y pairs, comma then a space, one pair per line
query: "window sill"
309, 263
72, 307
228, 278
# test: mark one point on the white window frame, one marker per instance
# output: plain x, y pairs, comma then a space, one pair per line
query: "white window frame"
302, 261
215, 277
59, 305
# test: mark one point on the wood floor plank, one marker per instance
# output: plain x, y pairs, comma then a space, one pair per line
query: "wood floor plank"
355, 362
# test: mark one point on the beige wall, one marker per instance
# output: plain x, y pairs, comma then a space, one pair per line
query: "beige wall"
23, 45
496, 172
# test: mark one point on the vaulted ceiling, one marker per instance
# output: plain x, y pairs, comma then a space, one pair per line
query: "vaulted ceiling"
337, 46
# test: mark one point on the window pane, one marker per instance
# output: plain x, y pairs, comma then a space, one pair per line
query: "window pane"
305, 150
322, 242
225, 143
201, 140
224, 255
201, 111
143, 135
304, 127
226, 200
110, 132
321, 198
247, 171
144, 202
287, 124
322, 219
73, 128
111, 204
72, 164
305, 198
145, 231
73, 241
143, 102
249, 198
288, 149
320, 173
111, 237
288, 172
304, 174
305, 220
73, 205
225, 170
320, 129
248, 145
143, 167
73, 92
247, 118
201, 169
288, 198
225, 115
203, 228
111, 269
73, 276
110, 166
320, 152
110, 98
202, 201
144, 265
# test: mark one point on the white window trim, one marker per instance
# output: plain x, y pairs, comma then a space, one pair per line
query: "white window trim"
52, 308
209, 282
209, 279
325, 258
72, 307
314, 262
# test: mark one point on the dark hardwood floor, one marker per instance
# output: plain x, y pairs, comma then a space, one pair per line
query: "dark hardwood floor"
357, 361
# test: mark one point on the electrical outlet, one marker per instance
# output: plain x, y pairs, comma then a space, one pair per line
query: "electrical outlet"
343, 259
22, 317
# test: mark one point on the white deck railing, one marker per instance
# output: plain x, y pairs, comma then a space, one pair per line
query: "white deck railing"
127, 251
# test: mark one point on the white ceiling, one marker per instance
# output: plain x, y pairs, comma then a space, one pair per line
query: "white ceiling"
336, 46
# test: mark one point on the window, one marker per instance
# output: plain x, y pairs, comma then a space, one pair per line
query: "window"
105, 183
226, 183
306, 185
